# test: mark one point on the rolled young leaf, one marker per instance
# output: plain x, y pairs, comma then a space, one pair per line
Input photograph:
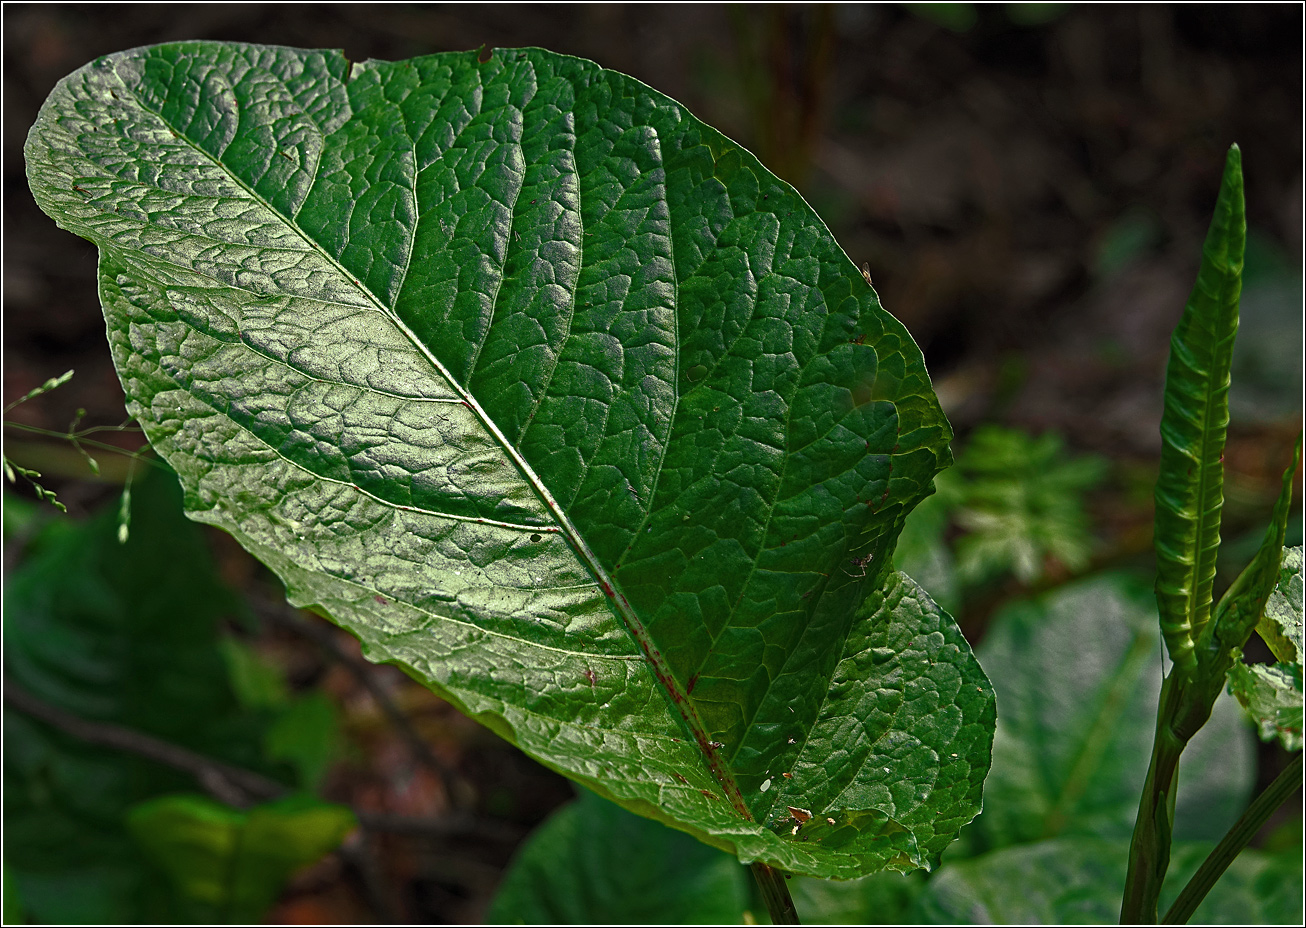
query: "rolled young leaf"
1190, 488
556, 398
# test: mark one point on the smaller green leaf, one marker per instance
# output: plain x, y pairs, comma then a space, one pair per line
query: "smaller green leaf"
306, 735
93, 627
258, 684
1076, 673
1281, 624
1021, 504
594, 863
879, 899
1243, 604
13, 905
233, 862
1190, 488
1272, 696
1078, 880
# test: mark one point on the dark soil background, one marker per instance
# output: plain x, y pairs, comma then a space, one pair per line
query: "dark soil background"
1030, 189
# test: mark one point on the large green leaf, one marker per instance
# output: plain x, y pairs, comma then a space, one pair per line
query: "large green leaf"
1190, 487
555, 397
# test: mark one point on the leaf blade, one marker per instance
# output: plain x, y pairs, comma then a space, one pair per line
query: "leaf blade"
1281, 623
600, 519
1189, 490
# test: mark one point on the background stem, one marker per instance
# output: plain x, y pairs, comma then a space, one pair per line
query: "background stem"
1235, 839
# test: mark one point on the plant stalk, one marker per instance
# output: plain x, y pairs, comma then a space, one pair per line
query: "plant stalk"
1149, 851
1237, 838
775, 893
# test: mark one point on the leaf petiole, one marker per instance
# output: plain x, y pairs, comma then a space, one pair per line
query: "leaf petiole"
775, 893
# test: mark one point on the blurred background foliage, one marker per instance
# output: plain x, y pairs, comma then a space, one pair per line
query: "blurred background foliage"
1029, 184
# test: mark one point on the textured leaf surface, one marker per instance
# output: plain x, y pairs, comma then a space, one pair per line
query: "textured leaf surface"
1272, 696
554, 396
1281, 624
1070, 756
1190, 488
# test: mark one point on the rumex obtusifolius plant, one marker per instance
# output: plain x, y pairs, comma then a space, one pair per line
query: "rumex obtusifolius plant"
1204, 637
556, 398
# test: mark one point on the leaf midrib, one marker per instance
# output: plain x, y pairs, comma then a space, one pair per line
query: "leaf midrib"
1210, 481
634, 625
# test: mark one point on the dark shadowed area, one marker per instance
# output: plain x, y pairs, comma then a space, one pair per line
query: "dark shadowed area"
1030, 187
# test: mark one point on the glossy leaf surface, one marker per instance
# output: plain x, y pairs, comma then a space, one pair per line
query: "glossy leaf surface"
554, 396
1190, 488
